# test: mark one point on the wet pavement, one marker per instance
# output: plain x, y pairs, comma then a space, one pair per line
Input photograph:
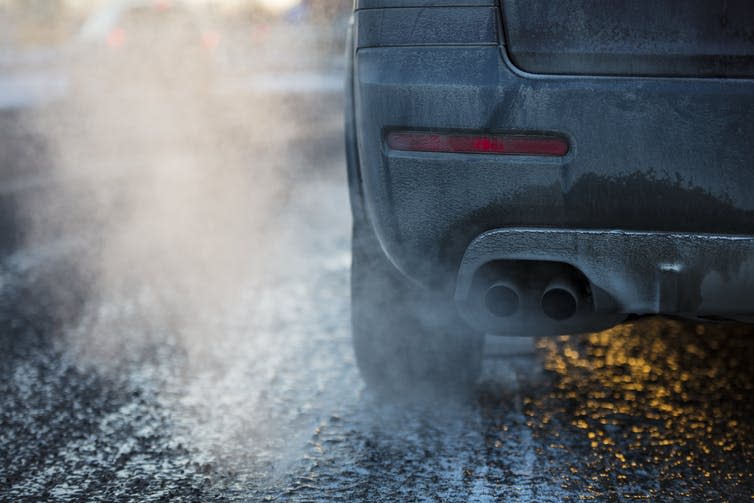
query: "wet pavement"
120, 395
175, 327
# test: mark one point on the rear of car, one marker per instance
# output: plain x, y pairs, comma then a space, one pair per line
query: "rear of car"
546, 168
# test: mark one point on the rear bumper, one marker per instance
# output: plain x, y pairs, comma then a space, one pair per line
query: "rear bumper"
656, 155
632, 272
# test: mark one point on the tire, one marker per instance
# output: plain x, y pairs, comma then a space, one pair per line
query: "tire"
409, 343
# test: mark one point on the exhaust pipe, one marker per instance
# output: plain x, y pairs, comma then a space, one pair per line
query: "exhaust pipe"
517, 297
560, 300
502, 299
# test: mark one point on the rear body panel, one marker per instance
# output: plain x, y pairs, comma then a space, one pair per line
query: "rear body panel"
641, 37
647, 154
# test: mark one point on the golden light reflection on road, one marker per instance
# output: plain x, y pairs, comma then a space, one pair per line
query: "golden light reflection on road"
656, 403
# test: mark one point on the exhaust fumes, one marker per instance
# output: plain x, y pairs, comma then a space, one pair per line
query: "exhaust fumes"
186, 191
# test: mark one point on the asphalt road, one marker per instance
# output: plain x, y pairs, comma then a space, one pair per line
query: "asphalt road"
174, 327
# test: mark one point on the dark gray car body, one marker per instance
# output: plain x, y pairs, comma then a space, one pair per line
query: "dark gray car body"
653, 205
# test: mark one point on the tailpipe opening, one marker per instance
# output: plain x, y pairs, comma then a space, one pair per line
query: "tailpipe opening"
502, 299
560, 300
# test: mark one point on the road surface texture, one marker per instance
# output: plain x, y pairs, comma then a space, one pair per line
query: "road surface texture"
174, 325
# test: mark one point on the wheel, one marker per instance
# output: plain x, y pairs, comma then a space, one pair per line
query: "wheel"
409, 343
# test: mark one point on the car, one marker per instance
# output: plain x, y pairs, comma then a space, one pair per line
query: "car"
526, 167
134, 46
142, 75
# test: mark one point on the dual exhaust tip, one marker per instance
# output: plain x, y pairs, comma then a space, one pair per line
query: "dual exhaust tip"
559, 301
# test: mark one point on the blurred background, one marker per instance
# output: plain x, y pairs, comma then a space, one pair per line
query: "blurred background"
151, 126
173, 218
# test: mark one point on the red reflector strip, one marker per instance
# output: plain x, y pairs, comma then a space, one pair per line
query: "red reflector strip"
478, 144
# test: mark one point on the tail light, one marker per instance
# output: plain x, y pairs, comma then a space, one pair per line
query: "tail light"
116, 38
210, 40
457, 143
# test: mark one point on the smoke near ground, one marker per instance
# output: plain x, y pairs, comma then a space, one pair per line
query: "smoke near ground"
179, 191
174, 181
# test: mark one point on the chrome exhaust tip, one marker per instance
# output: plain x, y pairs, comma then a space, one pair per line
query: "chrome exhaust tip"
560, 299
502, 299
